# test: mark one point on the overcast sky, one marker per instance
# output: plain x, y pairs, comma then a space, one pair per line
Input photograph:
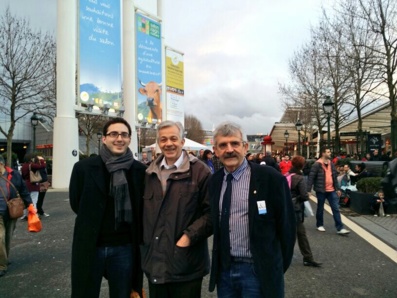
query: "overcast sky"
236, 52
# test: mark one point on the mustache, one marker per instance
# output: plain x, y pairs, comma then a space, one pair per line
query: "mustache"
230, 155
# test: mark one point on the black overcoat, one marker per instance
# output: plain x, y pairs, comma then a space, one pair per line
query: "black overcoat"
272, 235
88, 193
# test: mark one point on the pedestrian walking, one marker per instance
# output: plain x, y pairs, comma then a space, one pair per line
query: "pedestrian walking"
10, 182
176, 218
323, 178
106, 193
253, 220
207, 159
44, 185
299, 196
32, 163
285, 165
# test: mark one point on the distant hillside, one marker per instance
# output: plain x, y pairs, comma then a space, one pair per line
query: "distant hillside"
89, 88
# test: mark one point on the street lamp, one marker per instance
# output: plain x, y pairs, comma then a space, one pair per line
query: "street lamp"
286, 136
34, 120
298, 126
99, 136
328, 107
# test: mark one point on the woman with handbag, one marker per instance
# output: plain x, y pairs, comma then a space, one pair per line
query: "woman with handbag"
30, 169
299, 196
44, 185
11, 183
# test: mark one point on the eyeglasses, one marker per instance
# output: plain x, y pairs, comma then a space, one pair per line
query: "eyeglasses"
115, 135
233, 144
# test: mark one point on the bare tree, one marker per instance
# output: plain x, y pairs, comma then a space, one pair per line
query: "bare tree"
89, 126
194, 129
381, 16
360, 62
147, 136
27, 67
331, 43
306, 88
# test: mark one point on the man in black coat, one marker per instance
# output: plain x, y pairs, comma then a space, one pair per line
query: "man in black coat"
106, 194
253, 220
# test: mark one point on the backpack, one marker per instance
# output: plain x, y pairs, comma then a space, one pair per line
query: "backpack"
295, 202
288, 176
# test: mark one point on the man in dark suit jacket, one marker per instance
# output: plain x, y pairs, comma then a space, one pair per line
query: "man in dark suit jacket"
106, 194
259, 223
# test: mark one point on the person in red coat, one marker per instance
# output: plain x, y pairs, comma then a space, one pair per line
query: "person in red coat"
32, 163
285, 165
7, 224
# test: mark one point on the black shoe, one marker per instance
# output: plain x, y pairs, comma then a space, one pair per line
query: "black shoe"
3, 272
312, 263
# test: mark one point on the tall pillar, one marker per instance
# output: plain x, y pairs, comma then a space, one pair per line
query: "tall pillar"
66, 145
129, 67
160, 13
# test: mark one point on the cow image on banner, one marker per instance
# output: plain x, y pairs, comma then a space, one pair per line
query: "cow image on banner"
149, 70
152, 91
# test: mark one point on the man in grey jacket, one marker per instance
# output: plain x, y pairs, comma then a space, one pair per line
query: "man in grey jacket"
323, 178
176, 218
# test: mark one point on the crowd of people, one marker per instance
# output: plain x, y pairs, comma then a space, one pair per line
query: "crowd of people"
12, 183
153, 216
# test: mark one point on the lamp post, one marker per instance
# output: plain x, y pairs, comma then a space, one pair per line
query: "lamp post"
99, 136
34, 120
286, 136
328, 107
298, 126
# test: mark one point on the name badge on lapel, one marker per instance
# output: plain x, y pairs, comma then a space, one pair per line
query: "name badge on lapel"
261, 207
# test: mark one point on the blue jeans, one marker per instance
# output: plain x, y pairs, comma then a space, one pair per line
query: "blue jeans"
116, 265
239, 281
333, 201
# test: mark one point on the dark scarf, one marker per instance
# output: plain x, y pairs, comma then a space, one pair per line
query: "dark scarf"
117, 167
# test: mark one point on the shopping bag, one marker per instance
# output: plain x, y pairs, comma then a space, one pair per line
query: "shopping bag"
136, 294
381, 209
34, 223
308, 209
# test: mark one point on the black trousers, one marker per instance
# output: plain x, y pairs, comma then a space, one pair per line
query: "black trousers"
303, 242
40, 202
187, 289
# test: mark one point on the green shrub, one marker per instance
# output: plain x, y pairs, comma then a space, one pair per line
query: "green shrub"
344, 161
369, 184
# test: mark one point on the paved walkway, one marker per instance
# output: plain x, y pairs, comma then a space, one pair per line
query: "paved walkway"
384, 228
41, 261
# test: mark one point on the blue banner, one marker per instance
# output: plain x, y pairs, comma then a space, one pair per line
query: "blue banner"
149, 74
100, 53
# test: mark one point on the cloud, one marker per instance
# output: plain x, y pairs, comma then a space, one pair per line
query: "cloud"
235, 55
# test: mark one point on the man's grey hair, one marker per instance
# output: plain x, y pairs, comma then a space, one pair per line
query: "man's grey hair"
228, 129
170, 123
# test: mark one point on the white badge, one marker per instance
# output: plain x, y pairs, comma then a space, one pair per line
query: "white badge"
261, 207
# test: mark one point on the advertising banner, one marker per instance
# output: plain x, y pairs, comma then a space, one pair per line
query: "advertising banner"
100, 53
374, 141
174, 73
149, 70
